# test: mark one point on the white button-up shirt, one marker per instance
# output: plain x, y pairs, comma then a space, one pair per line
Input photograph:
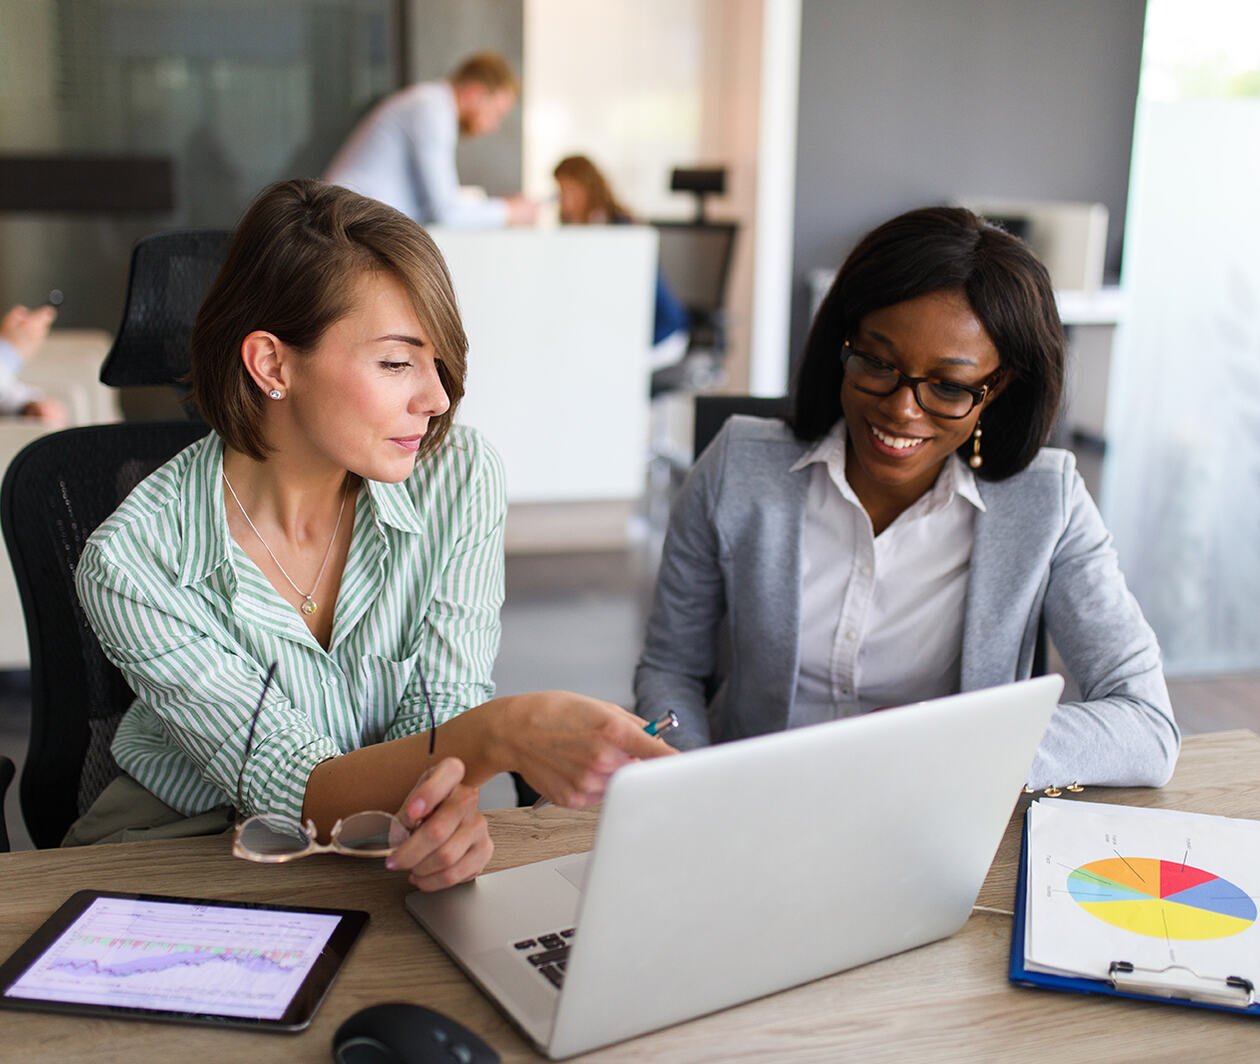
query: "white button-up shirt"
881, 616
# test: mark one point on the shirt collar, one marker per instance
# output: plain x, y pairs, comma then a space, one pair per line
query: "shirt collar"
956, 478
392, 504
202, 497
395, 505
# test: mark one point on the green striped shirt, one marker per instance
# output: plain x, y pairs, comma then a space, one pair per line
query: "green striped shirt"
193, 624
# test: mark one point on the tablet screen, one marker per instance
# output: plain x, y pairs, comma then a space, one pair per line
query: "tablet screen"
187, 958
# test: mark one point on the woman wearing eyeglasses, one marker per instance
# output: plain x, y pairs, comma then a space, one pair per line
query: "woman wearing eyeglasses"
906, 533
334, 522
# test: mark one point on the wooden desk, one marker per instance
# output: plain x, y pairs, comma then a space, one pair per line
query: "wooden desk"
948, 1001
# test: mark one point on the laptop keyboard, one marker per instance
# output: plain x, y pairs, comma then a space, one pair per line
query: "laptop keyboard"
549, 954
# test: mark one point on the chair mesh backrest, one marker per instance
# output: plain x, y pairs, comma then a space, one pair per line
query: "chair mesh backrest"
170, 276
55, 492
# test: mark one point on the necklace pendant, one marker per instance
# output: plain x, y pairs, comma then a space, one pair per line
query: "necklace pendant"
309, 606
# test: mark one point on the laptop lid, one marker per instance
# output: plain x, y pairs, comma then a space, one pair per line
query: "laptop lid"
738, 870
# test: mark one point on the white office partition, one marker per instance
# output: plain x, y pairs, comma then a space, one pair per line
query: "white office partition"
559, 325
1182, 474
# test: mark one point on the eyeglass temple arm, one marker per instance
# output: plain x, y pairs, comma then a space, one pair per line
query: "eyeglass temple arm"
253, 724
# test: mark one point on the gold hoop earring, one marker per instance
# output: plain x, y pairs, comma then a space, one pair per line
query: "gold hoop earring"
976, 460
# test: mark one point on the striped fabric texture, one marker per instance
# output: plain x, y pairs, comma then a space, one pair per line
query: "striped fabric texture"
193, 624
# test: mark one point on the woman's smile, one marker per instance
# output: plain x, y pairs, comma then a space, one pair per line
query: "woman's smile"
894, 444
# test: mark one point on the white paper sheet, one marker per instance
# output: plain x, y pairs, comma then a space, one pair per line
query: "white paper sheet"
1152, 887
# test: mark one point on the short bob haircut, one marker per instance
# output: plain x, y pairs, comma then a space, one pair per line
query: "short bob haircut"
942, 249
291, 270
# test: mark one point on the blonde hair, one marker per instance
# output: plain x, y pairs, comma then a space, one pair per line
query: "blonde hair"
290, 271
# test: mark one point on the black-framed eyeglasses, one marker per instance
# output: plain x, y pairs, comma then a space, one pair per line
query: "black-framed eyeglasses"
935, 396
271, 838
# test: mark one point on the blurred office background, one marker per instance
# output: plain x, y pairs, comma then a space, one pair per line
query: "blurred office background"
828, 116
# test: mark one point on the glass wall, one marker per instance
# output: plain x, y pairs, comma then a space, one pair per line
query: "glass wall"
1182, 475
233, 92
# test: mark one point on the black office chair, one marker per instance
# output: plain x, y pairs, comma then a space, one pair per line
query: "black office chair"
6, 777
170, 276
713, 410
54, 494
695, 260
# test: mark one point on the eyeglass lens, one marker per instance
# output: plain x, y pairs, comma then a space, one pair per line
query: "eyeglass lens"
370, 834
942, 398
273, 835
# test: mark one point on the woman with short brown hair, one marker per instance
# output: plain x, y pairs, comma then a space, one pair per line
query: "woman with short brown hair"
335, 523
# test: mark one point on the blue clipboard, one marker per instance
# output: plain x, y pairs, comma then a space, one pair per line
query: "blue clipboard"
1123, 983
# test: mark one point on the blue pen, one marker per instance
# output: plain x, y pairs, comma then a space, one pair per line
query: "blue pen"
667, 721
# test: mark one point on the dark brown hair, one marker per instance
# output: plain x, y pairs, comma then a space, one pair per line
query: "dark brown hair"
930, 250
291, 271
599, 196
489, 69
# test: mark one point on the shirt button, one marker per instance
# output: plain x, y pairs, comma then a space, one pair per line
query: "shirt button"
865, 570
850, 635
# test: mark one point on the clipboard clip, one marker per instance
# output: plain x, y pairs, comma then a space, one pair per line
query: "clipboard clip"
1178, 981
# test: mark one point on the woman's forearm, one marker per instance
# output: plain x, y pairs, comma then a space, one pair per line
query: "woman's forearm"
566, 745
382, 775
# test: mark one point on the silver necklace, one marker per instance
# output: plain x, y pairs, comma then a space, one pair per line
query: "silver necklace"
309, 605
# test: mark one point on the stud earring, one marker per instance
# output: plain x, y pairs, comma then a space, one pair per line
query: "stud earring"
275, 393
976, 460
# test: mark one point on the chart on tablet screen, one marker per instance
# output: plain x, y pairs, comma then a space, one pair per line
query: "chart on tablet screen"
180, 958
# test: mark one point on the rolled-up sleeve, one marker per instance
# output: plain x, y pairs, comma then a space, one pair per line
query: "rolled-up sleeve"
196, 694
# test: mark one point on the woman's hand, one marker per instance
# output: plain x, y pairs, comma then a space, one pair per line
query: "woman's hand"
567, 746
450, 841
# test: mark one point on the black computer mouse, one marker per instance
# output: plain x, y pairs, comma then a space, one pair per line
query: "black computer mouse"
401, 1033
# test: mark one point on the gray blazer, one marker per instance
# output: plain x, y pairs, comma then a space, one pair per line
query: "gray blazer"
723, 648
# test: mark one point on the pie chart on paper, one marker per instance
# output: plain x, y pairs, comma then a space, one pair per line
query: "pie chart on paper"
1162, 899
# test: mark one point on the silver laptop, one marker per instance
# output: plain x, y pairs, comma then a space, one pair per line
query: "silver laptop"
738, 870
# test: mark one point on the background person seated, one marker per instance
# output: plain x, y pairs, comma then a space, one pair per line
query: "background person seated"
587, 199
905, 533
22, 331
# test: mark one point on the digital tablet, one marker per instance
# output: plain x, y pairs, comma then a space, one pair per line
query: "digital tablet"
186, 960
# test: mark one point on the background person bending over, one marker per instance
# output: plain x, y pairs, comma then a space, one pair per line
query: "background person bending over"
403, 152
22, 331
337, 523
901, 538
587, 199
